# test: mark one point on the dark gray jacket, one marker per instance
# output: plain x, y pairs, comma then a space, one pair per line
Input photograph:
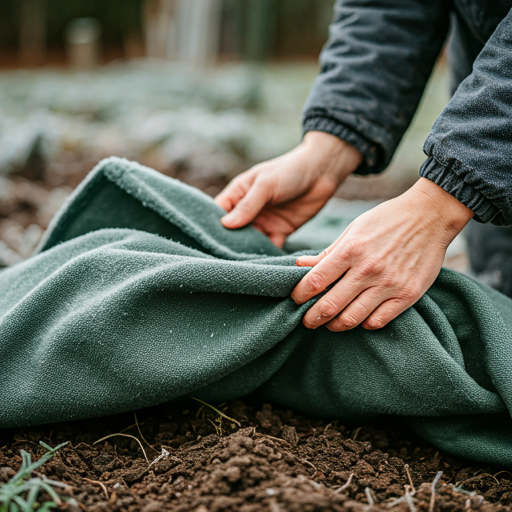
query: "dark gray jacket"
374, 69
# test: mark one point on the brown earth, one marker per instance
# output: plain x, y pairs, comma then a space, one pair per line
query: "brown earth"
276, 461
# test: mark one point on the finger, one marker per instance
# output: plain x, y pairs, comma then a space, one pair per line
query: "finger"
308, 261
229, 197
278, 238
386, 312
248, 207
271, 221
333, 302
358, 310
330, 268
311, 261
235, 191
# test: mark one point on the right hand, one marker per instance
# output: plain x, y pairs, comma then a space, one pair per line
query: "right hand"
280, 195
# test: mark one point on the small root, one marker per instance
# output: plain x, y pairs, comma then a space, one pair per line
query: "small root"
124, 435
406, 467
101, 484
346, 485
220, 413
433, 493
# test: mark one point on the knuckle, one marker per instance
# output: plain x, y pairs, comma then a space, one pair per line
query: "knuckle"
315, 283
369, 267
350, 249
348, 321
262, 181
361, 311
386, 281
410, 292
238, 181
327, 308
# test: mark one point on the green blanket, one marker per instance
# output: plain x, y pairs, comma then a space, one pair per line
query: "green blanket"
138, 295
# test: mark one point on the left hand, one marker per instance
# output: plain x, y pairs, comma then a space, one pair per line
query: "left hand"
387, 259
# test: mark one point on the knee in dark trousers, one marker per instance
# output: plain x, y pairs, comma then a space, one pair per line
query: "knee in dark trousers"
490, 255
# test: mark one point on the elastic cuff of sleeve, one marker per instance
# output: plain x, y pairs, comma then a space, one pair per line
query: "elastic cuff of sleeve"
370, 164
449, 181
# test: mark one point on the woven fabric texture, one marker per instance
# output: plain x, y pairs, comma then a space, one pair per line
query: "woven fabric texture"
138, 295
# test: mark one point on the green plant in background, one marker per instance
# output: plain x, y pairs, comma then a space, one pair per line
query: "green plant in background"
20, 493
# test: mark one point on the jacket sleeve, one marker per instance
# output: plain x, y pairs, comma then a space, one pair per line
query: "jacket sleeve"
373, 71
470, 145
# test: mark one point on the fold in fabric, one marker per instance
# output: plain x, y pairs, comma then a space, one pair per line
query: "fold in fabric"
138, 295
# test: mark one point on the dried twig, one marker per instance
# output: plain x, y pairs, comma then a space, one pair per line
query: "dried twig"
500, 472
220, 413
406, 467
309, 464
124, 435
128, 428
164, 453
433, 493
369, 496
346, 485
140, 433
218, 428
272, 438
408, 499
101, 484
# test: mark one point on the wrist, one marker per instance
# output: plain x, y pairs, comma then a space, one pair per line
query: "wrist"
331, 155
440, 208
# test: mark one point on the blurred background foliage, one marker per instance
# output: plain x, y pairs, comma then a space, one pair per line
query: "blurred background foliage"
197, 89
250, 29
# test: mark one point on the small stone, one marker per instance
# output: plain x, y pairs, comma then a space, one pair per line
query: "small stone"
233, 474
152, 506
290, 435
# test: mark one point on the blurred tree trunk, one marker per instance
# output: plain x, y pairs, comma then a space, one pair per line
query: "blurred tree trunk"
231, 37
183, 30
199, 31
32, 31
160, 28
261, 17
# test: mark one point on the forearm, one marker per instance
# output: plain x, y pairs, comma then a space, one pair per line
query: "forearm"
331, 155
373, 71
470, 146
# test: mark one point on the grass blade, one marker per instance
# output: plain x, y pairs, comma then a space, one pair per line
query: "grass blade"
220, 413
125, 435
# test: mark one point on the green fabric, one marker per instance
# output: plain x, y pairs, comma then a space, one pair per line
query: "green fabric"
138, 295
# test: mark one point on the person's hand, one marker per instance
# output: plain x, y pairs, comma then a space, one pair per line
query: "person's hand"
387, 259
280, 195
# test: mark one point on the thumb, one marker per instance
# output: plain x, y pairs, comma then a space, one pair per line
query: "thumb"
248, 207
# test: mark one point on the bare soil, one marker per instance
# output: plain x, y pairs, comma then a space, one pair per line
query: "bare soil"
276, 460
